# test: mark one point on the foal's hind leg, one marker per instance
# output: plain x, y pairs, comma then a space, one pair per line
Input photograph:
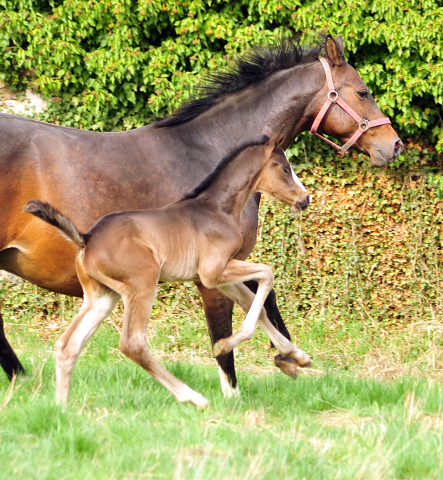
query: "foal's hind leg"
138, 299
97, 305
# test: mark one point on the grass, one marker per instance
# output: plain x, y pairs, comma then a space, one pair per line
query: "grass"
371, 408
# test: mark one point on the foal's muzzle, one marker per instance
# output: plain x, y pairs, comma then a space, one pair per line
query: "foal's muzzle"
303, 205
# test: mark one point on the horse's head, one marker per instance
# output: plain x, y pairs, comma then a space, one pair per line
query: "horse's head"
347, 111
278, 179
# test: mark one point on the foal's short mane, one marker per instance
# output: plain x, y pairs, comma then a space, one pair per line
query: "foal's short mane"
206, 182
254, 66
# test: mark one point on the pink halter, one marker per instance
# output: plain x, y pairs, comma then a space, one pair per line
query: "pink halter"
333, 97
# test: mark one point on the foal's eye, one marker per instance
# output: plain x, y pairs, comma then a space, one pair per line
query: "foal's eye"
287, 170
363, 94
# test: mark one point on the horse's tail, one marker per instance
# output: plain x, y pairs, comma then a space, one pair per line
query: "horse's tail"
52, 216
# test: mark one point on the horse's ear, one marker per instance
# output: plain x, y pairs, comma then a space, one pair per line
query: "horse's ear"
339, 43
334, 50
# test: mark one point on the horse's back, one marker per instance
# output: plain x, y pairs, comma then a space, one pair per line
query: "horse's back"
80, 173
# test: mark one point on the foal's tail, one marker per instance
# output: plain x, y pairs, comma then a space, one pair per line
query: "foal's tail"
52, 216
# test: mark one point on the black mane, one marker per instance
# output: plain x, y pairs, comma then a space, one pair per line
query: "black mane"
207, 181
253, 67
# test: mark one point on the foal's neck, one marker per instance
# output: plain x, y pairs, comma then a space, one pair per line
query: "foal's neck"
235, 184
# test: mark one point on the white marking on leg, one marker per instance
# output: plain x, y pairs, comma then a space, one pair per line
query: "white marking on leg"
68, 347
101, 308
227, 389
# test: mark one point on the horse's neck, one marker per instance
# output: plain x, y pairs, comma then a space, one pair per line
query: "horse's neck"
280, 100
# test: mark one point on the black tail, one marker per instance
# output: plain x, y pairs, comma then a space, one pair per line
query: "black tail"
51, 215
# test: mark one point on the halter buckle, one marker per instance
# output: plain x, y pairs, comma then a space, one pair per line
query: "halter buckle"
363, 125
333, 96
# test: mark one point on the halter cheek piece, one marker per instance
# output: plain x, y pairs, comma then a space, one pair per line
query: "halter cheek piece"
333, 97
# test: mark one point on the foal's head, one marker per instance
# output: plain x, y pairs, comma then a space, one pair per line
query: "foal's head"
279, 180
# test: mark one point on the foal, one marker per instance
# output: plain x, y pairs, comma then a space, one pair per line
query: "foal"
125, 254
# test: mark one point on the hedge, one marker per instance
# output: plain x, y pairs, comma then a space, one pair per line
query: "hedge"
114, 64
371, 244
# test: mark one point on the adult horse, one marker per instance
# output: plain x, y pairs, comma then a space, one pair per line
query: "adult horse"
87, 174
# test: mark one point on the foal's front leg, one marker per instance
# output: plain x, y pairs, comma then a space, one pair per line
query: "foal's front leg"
238, 271
245, 298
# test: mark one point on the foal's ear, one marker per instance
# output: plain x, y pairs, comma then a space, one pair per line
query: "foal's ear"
276, 140
267, 131
281, 136
334, 50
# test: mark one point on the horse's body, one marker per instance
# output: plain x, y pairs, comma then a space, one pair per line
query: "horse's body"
125, 254
88, 174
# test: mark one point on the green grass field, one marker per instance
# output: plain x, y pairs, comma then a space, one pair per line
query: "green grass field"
371, 408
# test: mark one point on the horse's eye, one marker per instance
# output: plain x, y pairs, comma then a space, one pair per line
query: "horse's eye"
287, 170
363, 94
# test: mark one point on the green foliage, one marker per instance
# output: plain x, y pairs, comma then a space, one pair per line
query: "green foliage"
114, 64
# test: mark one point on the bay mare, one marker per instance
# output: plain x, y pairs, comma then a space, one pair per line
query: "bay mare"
126, 254
88, 174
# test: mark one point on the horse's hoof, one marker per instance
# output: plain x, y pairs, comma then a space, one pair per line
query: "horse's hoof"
219, 348
286, 365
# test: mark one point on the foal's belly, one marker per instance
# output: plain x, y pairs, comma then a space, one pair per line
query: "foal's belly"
179, 270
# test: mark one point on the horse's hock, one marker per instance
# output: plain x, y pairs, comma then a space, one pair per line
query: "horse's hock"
12, 102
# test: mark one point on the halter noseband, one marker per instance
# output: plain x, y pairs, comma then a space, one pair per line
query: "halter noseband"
333, 97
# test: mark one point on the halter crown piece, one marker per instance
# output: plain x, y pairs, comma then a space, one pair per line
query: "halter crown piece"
333, 97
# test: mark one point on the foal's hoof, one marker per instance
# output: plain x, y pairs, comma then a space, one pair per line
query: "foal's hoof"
286, 365
303, 359
201, 403
220, 348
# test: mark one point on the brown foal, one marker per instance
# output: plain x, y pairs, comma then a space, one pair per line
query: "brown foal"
126, 254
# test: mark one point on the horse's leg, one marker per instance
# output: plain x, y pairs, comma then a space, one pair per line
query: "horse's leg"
97, 305
138, 298
245, 298
286, 365
218, 311
8, 359
271, 309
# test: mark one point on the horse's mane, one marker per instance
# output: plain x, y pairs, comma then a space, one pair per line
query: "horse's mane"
209, 179
256, 65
